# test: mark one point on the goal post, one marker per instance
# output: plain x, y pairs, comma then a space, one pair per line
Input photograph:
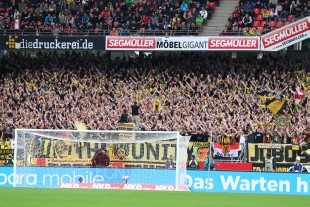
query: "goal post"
62, 158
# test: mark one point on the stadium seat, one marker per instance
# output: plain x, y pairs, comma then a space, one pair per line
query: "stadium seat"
256, 24
262, 11
286, 23
273, 23
259, 17
212, 5
279, 24
115, 24
260, 29
290, 17
263, 23
257, 11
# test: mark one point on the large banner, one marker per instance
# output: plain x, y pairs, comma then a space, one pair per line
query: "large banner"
52, 43
283, 153
286, 36
197, 180
188, 43
157, 43
65, 153
249, 182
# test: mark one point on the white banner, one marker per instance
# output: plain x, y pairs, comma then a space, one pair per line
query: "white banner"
286, 36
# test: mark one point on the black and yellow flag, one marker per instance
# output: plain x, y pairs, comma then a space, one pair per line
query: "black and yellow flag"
274, 105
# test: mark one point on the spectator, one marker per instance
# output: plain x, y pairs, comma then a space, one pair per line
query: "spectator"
16, 24
101, 159
204, 15
114, 32
193, 164
297, 167
49, 19
85, 20
269, 163
184, 6
135, 114
124, 117
247, 21
247, 7
9, 160
199, 22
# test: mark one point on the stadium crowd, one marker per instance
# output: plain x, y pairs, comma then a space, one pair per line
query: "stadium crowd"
252, 17
190, 93
125, 16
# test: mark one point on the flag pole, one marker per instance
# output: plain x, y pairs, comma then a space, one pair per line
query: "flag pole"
210, 154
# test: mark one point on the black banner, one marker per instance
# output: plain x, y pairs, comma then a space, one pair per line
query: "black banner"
52, 43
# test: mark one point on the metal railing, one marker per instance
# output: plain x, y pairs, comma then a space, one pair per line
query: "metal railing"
27, 32
92, 32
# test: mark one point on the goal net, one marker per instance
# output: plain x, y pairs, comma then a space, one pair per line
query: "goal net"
64, 158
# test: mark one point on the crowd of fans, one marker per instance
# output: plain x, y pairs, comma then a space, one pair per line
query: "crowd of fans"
98, 16
191, 93
254, 17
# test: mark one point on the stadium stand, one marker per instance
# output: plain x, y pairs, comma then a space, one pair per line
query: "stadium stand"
264, 16
147, 17
229, 96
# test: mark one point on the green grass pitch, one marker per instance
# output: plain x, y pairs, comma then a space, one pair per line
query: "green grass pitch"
43, 197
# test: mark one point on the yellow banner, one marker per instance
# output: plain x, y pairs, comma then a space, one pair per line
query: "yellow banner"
66, 151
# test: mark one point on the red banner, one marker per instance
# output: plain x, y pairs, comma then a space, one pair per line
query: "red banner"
138, 43
234, 43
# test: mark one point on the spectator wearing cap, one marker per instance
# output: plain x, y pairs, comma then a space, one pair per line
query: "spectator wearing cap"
297, 167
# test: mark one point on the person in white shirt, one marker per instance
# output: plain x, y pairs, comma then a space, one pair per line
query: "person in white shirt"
204, 15
16, 23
